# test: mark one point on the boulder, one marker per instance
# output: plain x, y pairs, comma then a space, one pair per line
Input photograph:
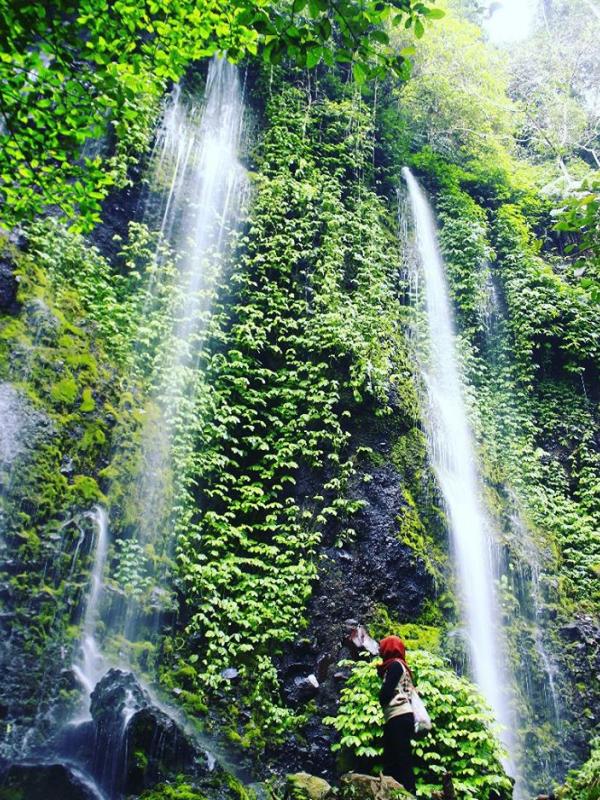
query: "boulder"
309, 787
137, 743
32, 782
354, 786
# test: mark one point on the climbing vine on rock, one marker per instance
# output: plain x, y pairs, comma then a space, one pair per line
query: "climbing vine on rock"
306, 332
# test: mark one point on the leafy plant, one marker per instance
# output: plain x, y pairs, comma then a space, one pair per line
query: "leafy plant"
78, 75
462, 740
584, 783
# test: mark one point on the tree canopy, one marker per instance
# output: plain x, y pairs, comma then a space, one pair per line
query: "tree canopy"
80, 81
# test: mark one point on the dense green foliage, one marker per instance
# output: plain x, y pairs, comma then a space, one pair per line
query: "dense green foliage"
461, 740
583, 784
529, 346
311, 302
580, 215
302, 382
80, 82
66, 402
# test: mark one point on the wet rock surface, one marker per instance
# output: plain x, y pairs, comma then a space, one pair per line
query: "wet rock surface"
376, 568
309, 786
120, 207
354, 786
21, 425
8, 288
45, 782
135, 743
581, 658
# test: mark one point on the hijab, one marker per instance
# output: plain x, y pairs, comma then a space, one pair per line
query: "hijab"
392, 648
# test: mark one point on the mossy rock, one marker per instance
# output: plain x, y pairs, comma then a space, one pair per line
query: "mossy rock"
354, 786
303, 786
177, 791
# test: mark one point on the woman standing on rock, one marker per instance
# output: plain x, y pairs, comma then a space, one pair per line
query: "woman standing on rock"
399, 725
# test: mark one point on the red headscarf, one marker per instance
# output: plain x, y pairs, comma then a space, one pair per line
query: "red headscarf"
391, 649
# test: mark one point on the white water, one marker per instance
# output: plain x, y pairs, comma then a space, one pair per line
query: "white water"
452, 454
531, 556
196, 160
196, 165
11, 424
90, 667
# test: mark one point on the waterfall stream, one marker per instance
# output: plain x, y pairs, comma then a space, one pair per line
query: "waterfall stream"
196, 173
197, 182
88, 669
452, 453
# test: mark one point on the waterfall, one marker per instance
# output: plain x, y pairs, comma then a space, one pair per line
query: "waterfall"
11, 443
452, 454
196, 188
89, 668
531, 584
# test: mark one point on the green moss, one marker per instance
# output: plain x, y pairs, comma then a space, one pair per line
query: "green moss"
12, 793
417, 636
87, 400
65, 391
409, 452
84, 489
173, 791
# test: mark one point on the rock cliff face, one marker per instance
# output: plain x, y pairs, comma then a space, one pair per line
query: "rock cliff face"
297, 501
375, 570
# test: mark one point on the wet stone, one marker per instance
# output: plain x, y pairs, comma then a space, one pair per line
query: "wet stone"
308, 786
136, 743
8, 288
355, 786
33, 781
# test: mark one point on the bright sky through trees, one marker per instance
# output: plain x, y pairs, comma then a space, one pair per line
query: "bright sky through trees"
510, 20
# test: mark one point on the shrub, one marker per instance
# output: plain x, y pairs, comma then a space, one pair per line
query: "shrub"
462, 740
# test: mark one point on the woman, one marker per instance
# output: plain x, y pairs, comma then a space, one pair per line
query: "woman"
399, 725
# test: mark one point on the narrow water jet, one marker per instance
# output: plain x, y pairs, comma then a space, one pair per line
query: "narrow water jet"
532, 558
452, 453
90, 666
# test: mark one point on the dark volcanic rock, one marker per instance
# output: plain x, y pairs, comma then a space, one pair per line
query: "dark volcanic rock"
376, 568
136, 743
116, 697
8, 288
46, 782
581, 659
118, 210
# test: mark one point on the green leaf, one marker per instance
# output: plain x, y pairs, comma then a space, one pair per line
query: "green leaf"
360, 72
313, 56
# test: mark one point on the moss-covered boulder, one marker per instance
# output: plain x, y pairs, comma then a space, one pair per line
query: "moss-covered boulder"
355, 786
306, 786
33, 782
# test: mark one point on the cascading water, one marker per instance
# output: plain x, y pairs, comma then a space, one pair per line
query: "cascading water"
452, 454
525, 562
10, 425
89, 668
198, 180
196, 173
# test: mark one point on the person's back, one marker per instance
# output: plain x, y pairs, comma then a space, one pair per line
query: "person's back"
395, 697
